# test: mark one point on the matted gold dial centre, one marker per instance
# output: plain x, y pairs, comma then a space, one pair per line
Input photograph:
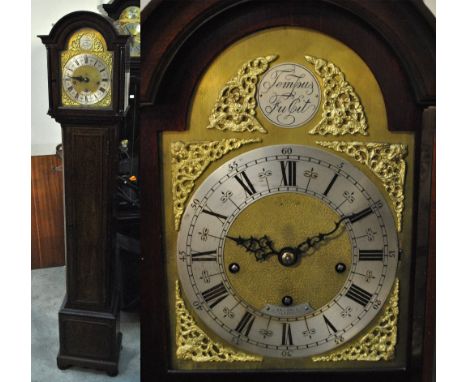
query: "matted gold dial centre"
86, 79
288, 219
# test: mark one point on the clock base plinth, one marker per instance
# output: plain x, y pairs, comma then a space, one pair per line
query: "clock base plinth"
89, 339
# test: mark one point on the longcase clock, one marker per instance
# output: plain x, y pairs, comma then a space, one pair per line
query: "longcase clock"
286, 161
88, 92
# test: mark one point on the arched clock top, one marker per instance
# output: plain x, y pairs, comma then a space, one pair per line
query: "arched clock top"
87, 65
399, 52
64, 29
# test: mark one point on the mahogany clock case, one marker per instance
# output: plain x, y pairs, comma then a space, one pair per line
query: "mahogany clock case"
89, 317
56, 42
397, 42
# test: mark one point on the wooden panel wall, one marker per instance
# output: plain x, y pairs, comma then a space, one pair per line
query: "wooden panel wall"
47, 229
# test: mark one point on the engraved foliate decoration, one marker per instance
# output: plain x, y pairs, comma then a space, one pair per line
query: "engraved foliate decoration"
87, 39
288, 95
378, 343
87, 69
386, 160
193, 344
235, 108
188, 162
342, 111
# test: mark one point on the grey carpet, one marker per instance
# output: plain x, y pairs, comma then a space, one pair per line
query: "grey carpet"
48, 290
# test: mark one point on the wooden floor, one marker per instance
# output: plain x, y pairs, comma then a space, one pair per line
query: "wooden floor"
47, 229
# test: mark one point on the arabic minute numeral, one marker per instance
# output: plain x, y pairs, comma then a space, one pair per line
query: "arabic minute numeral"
376, 304
233, 166
339, 340
195, 203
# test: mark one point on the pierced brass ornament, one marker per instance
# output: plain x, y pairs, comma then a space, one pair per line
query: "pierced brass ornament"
378, 343
386, 161
95, 42
342, 111
235, 108
193, 344
188, 162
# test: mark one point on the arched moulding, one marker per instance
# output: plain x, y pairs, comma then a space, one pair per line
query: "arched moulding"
386, 161
193, 343
235, 108
189, 160
379, 341
342, 111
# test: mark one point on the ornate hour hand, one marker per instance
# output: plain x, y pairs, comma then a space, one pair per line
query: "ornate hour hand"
313, 241
80, 78
261, 248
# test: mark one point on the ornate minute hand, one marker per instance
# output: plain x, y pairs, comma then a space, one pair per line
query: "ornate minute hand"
261, 248
312, 241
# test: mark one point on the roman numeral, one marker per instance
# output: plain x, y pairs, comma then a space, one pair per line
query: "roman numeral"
288, 170
331, 328
245, 324
360, 215
286, 338
86, 59
245, 183
70, 88
102, 89
105, 79
103, 69
215, 214
358, 295
204, 256
370, 255
330, 185
215, 295
77, 63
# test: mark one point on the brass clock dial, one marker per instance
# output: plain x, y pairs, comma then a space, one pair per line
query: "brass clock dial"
86, 79
129, 22
287, 251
